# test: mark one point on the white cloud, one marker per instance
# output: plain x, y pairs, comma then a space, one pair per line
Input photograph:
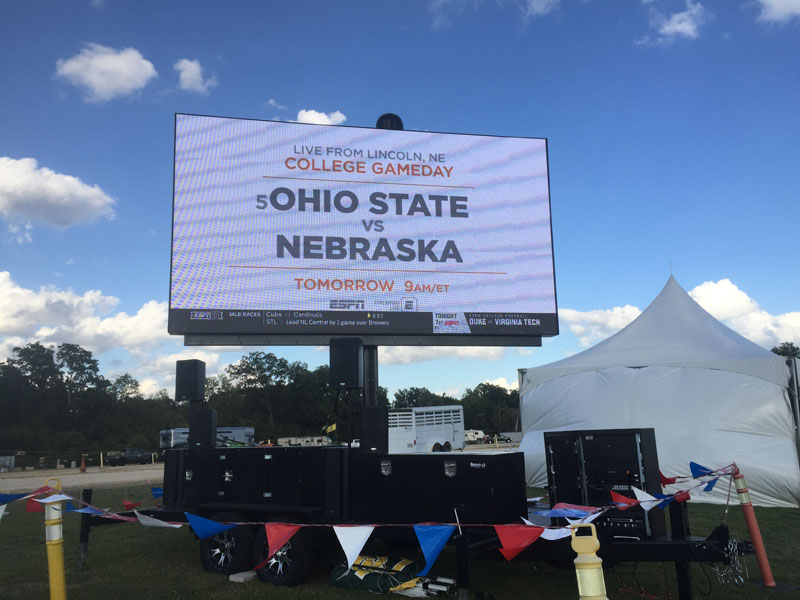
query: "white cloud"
149, 386
21, 234
539, 8
162, 368
683, 24
453, 392
106, 73
595, 325
56, 316
722, 299
503, 383
190, 77
320, 118
779, 11
405, 355
32, 193
737, 310
442, 10
274, 104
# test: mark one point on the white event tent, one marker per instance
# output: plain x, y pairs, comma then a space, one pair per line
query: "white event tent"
712, 396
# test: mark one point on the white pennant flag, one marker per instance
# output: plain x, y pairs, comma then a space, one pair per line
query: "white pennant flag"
2, 511
646, 501
556, 534
151, 522
586, 519
352, 540
53, 498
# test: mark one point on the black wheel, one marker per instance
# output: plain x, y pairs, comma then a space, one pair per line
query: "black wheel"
291, 565
229, 551
437, 447
447, 447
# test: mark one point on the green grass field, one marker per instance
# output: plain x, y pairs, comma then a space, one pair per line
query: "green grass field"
128, 561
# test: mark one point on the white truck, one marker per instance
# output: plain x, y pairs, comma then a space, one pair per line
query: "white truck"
426, 429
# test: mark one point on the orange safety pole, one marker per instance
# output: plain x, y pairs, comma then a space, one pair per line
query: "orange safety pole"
752, 528
83, 463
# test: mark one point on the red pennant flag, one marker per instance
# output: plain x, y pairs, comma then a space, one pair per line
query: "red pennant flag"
130, 505
622, 502
278, 534
682, 496
515, 538
666, 480
33, 506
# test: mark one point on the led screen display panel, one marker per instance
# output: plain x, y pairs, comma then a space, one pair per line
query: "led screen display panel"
291, 228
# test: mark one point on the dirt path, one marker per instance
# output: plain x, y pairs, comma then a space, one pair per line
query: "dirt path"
27, 481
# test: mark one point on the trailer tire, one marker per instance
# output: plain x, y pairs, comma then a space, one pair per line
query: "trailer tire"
437, 447
229, 551
447, 447
289, 566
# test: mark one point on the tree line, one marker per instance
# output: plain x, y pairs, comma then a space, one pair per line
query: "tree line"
55, 398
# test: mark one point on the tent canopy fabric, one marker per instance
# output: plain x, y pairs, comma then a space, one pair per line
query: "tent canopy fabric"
712, 396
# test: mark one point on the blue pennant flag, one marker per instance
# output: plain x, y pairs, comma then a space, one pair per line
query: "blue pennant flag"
571, 513
432, 539
665, 499
158, 492
6, 498
710, 485
68, 507
698, 470
86, 509
206, 528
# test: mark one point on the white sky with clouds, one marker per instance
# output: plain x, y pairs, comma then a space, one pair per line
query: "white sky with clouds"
672, 127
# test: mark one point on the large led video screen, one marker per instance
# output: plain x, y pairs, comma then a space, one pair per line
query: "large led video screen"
318, 230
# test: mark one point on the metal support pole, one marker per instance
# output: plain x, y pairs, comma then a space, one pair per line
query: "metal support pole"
679, 527
83, 540
462, 565
753, 530
795, 398
54, 540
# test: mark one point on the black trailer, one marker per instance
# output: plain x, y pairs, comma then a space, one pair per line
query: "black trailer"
338, 485
331, 485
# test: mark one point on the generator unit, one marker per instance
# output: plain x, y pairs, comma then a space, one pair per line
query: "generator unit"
584, 466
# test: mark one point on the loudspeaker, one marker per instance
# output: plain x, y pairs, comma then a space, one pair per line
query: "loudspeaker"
202, 428
190, 380
375, 428
347, 363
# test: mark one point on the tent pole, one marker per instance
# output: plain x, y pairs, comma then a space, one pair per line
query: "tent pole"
796, 404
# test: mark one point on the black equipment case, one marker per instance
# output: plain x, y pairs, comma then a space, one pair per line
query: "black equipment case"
335, 484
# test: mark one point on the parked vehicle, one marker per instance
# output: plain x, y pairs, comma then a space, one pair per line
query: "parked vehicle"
426, 429
473, 436
308, 440
128, 456
226, 436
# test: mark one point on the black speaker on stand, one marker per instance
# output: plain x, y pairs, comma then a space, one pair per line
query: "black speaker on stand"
190, 384
347, 363
190, 380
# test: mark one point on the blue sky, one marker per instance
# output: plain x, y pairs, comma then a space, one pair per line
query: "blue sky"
673, 131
